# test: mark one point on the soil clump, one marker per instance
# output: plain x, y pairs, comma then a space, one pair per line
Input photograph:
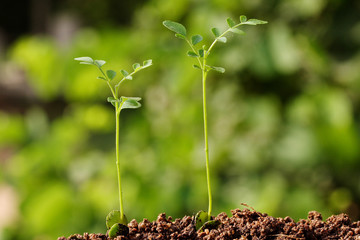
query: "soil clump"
243, 224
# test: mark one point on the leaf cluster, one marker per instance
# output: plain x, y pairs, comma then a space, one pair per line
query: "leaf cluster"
203, 52
118, 102
111, 74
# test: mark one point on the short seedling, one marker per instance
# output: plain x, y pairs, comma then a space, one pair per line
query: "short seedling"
116, 220
201, 55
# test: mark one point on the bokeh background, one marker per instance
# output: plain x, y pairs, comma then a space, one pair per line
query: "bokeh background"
283, 119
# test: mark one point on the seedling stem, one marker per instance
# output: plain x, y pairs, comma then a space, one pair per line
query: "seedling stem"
117, 115
204, 75
201, 56
117, 217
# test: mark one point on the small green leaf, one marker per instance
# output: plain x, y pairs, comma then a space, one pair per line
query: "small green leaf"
87, 63
237, 31
216, 32
200, 219
255, 22
196, 39
243, 18
85, 60
230, 22
147, 63
124, 73
133, 98
197, 66
118, 229
114, 217
99, 63
175, 27
192, 54
180, 36
130, 102
222, 39
102, 78
113, 100
218, 69
201, 52
136, 66
110, 74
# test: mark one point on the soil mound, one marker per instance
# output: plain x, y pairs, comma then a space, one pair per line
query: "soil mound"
243, 224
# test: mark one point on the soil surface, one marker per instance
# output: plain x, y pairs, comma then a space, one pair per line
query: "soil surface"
243, 224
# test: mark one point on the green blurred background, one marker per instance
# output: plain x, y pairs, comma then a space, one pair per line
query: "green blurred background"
283, 119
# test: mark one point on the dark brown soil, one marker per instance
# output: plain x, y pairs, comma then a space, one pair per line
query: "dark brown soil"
244, 224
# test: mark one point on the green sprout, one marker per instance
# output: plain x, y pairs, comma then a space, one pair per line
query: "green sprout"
201, 54
117, 217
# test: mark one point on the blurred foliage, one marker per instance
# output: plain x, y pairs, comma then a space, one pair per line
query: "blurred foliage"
284, 118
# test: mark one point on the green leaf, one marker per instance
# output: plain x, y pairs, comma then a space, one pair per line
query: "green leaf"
192, 54
130, 102
147, 63
197, 66
222, 39
218, 69
237, 31
180, 36
110, 74
255, 22
133, 98
200, 219
243, 18
216, 32
99, 63
102, 78
175, 27
114, 217
136, 66
201, 52
85, 60
124, 73
87, 63
113, 100
118, 229
230, 22
196, 39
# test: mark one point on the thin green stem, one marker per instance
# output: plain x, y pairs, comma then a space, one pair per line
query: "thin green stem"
223, 34
204, 75
123, 79
108, 83
117, 115
103, 73
112, 90
117, 86
193, 49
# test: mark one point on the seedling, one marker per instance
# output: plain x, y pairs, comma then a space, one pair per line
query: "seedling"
116, 220
201, 55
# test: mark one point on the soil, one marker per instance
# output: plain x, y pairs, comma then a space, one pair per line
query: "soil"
243, 224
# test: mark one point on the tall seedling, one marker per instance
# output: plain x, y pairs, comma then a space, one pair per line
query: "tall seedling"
201, 55
116, 220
